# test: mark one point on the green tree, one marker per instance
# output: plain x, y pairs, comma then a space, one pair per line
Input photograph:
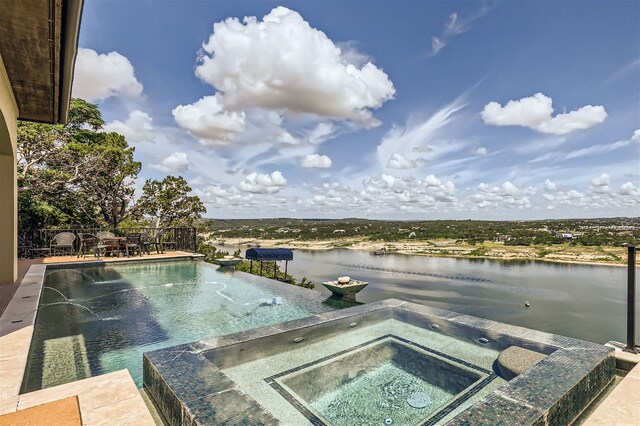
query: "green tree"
74, 174
108, 188
169, 201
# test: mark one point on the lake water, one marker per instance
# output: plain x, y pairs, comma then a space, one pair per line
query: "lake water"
582, 301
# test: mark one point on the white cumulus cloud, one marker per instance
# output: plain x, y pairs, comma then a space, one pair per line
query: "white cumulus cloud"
400, 162
174, 163
386, 190
138, 127
628, 188
481, 151
535, 112
282, 63
600, 184
510, 189
316, 161
99, 76
550, 186
259, 183
208, 121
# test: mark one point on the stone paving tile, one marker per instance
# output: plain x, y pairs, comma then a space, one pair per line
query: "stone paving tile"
128, 412
93, 392
9, 404
14, 351
109, 399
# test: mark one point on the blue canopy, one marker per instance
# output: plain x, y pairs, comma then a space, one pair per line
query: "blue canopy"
270, 254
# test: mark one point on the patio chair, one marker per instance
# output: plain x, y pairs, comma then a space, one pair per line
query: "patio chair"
146, 240
62, 243
133, 243
90, 243
155, 242
168, 245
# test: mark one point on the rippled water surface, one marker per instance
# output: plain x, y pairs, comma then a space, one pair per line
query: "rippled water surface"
581, 301
379, 396
99, 319
96, 320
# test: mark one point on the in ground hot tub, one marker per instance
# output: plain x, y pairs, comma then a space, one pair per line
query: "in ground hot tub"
389, 362
390, 380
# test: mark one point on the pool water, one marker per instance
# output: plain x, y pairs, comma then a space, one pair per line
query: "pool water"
95, 320
387, 382
387, 385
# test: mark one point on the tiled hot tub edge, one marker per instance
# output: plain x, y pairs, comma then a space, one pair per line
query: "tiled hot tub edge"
183, 398
187, 385
177, 392
553, 392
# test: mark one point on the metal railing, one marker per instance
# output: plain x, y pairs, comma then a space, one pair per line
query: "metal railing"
631, 300
184, 238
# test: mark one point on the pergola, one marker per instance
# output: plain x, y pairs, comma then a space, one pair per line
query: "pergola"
269, 255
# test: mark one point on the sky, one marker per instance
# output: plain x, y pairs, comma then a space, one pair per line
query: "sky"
376, 109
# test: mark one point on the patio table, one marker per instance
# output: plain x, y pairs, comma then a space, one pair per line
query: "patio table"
113, 242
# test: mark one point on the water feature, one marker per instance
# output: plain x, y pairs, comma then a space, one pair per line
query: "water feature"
78, 305
70, 270
57, 291
582, 301
110, 315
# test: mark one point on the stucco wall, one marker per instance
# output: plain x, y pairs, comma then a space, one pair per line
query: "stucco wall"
8, 183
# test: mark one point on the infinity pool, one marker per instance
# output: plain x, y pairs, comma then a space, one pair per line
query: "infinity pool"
98, 319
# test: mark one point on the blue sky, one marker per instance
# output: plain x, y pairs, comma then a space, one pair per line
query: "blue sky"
403, 109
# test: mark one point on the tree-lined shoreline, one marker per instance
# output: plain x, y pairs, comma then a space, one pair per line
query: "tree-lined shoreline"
604, 256
600, 241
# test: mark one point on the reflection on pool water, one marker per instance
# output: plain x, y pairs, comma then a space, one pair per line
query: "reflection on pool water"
97, 319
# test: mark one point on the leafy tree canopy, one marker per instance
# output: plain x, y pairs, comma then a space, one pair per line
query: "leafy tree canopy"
169, 202
75, 174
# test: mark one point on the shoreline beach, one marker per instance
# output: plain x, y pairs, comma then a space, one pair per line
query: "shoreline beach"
597, 256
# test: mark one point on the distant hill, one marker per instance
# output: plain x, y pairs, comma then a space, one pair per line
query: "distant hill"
587, 232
